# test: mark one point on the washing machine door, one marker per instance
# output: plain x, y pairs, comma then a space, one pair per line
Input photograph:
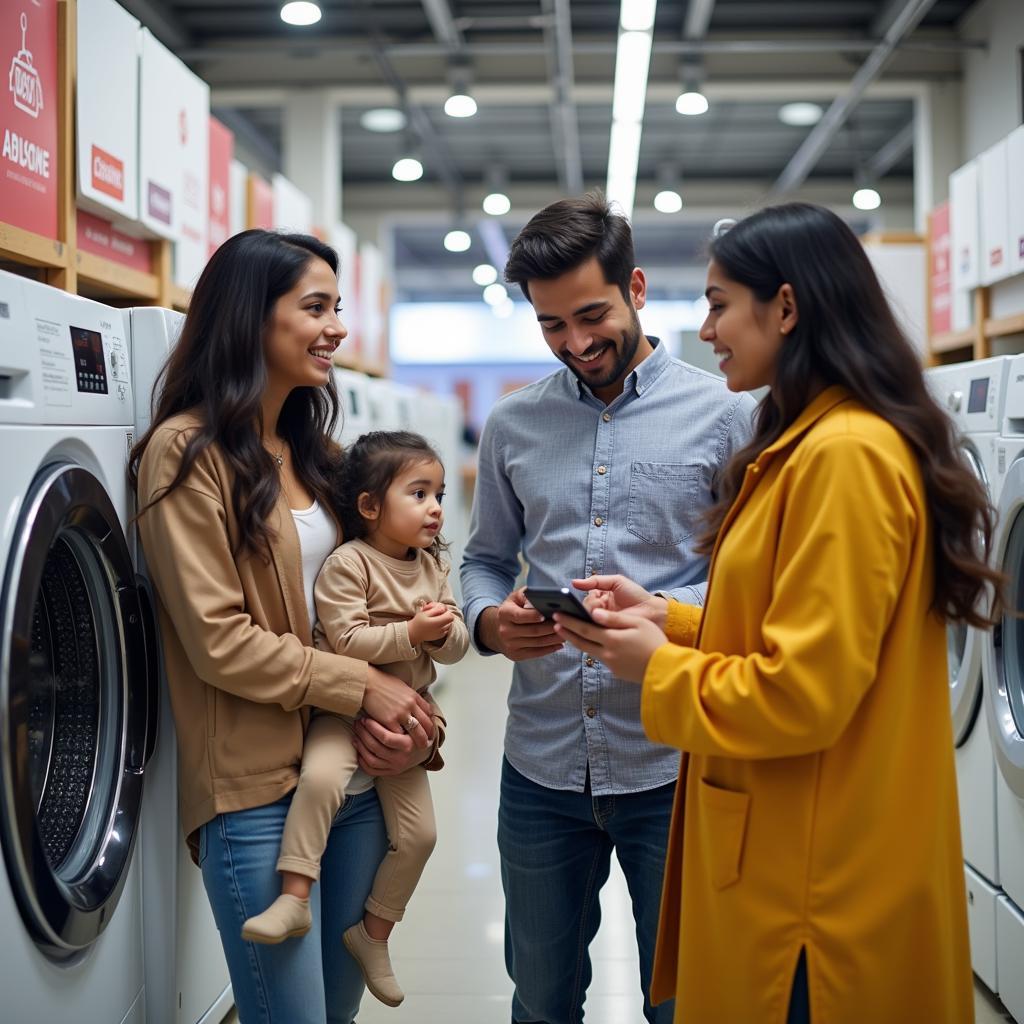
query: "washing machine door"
1005, 695
964, 646
78, 705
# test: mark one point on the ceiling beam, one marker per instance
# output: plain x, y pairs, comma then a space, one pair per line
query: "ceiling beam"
446, 32
820, 137
565, 130
493, 237
698, 17
891, 153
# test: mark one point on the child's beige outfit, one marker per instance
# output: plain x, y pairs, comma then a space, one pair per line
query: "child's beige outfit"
364, 600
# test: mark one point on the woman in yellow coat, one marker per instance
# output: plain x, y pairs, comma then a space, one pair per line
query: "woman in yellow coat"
814, 868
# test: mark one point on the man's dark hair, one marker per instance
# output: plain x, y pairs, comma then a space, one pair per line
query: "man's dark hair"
568, 233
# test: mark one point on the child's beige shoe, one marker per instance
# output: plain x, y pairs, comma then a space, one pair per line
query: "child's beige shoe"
375, 963
287, 917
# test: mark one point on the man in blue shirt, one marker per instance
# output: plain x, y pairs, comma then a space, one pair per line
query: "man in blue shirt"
605, 466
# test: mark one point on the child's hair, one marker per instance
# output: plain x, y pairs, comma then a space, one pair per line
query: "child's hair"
370, 465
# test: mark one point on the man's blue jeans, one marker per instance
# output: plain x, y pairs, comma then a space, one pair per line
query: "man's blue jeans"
301, 981
556, 851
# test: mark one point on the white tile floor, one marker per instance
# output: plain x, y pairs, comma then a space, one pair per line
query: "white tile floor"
448, 951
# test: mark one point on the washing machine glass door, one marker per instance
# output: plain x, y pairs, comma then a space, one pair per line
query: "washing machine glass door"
77, 707
1006, 695
964, 648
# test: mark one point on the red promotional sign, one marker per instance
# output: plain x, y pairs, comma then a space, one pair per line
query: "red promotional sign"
99, 237
107, 173
28, 115
222, 150
261, 208
940, 271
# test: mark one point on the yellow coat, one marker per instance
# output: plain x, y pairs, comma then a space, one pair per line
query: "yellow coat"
817, 802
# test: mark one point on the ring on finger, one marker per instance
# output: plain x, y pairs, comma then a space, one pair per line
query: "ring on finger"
411, 722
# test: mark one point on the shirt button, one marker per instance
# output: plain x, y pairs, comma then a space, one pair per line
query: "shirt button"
598, 520
601, 470
591, 712
590, 662
607, 417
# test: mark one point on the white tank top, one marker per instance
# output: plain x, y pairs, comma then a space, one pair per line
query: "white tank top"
318, 537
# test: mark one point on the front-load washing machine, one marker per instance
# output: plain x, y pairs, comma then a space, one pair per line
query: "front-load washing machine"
973, 395
1005, 695
78, 699
186, 974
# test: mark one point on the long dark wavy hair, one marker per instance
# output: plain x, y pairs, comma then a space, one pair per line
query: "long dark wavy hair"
846, 334
218, 370
371, 463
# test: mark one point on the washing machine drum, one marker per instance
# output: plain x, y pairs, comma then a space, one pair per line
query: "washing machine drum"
78, 705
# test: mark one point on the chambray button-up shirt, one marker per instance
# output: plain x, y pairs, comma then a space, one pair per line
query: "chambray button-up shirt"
580, 488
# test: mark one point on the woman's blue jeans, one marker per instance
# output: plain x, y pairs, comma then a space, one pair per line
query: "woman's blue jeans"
301, 981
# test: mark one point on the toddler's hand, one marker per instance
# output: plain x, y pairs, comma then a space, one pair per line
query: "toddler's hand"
432, 622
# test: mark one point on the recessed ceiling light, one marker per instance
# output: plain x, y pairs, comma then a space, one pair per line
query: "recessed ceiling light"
457, 241
800, 115
408, 168
300, 12
692, 104
382, 119
484, 274
497, 204
504, 309
867, 199
495, 294
460, 105
668, 201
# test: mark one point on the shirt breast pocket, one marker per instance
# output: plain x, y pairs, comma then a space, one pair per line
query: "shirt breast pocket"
666, 501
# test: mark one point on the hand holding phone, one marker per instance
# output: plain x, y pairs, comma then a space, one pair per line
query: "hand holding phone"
548, 600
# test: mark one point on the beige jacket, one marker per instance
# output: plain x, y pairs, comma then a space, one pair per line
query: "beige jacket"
237, 643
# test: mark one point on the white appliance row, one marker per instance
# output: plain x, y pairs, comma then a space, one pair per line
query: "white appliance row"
986, 400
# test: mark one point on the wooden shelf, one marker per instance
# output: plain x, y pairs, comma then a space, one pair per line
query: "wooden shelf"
117, 279
999, 328
180, 298
22, 246
953, 340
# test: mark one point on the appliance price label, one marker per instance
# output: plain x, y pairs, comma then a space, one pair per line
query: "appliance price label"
55, 363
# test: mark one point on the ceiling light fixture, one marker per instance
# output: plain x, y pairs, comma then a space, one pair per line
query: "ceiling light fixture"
300, 12
457, 240
692, 103
504, 309
867, 199
497, 204
460, 104
495, 294
383, 119
800, 115
668, 200
632, 65
484, 274
407, 168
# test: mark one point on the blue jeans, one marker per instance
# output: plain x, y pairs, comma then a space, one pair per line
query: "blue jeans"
556, 851
301, 981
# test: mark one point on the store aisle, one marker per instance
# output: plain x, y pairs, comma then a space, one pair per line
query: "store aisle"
448, 951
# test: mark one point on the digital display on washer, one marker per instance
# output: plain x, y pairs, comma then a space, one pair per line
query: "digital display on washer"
90, 370
978, 396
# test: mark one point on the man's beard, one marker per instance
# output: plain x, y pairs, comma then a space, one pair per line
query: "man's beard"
624, 356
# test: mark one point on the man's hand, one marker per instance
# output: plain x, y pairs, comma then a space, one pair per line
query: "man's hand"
432, 622
620, 594
383, 752
516, 630
621, 641
397, 707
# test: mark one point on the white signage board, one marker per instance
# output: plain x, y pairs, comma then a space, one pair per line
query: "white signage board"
371, 306
107, 110
994, 202
1015, 194
293, 209
237, 197
964, 226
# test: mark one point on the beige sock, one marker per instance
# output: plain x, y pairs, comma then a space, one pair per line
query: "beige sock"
287, 917
375, 963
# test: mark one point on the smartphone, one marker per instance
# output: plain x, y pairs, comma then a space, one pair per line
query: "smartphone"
548, 600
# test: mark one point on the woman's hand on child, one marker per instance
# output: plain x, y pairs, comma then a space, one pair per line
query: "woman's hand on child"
432, 622
383, 752
398, 707
622, 641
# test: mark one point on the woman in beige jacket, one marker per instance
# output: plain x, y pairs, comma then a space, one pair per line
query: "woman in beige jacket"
235, 482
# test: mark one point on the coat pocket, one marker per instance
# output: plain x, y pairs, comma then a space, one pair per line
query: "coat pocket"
723, 821
666, 500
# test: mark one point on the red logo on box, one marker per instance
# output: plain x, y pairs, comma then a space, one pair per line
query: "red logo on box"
107, 173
